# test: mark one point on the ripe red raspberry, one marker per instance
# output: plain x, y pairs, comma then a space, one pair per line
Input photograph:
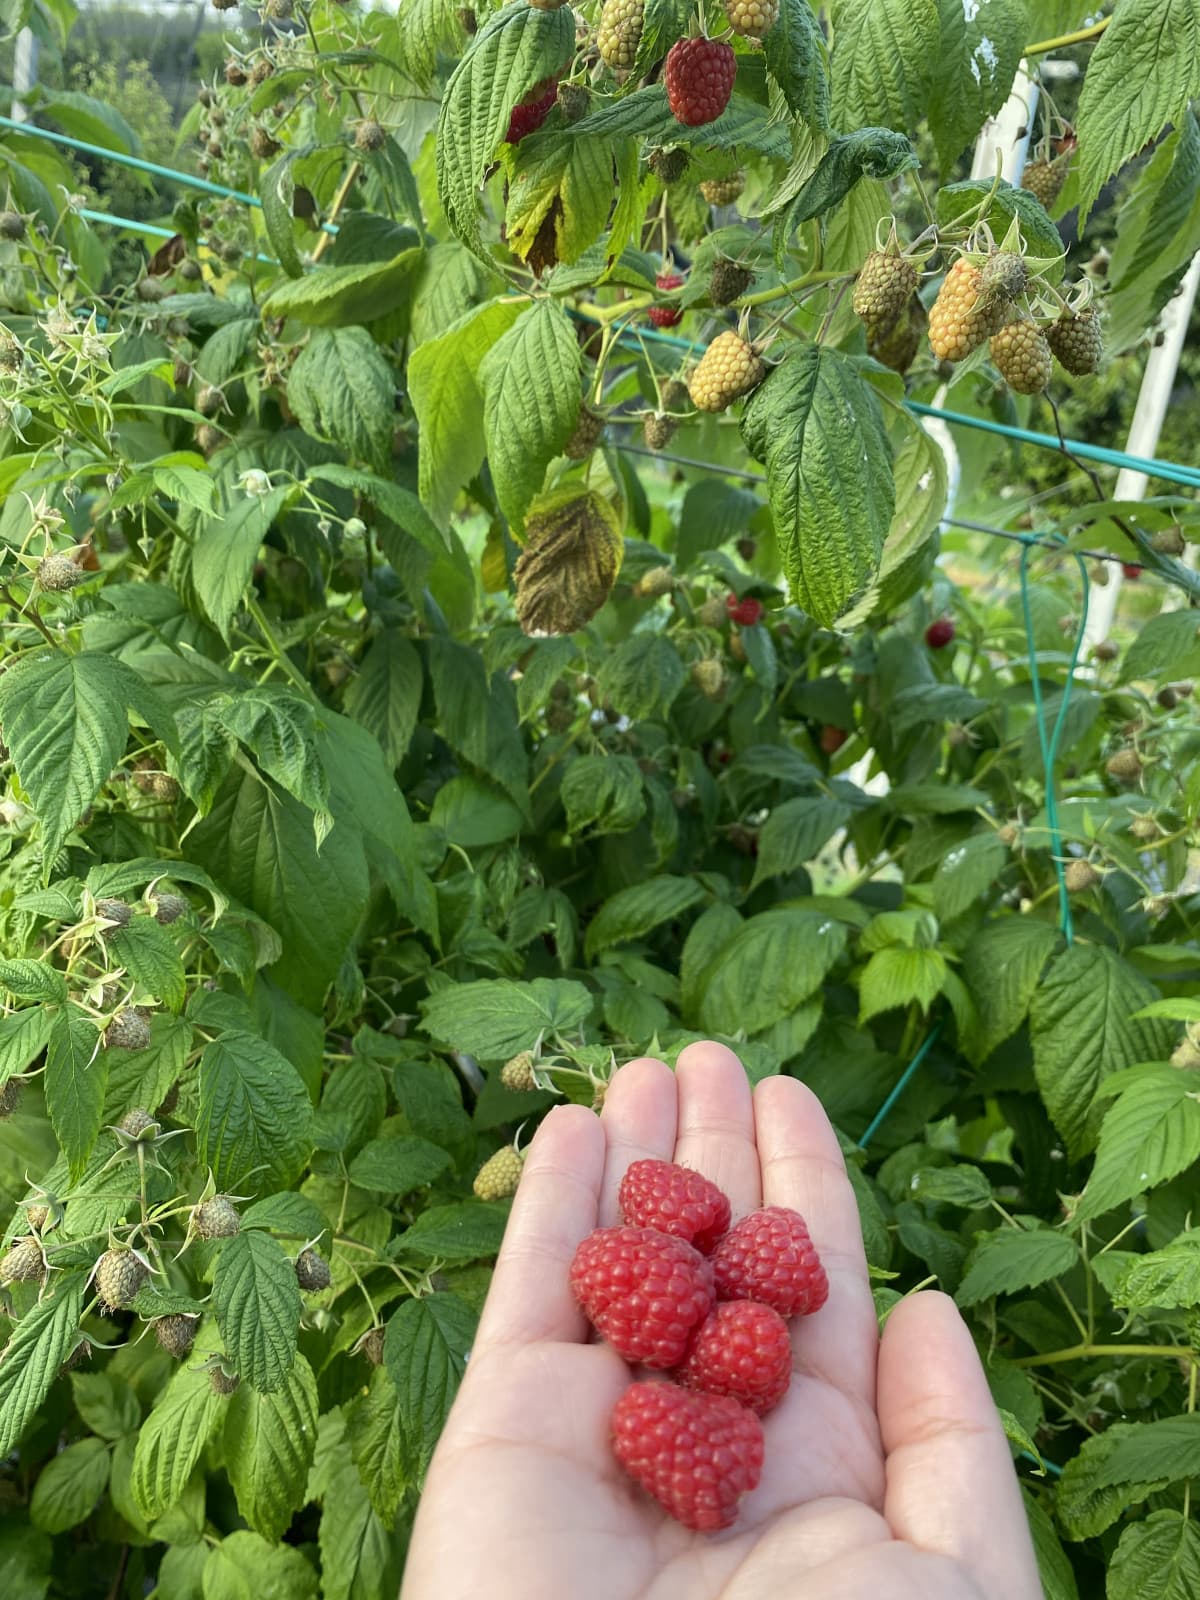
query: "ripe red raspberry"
666, 316
746, 613
697, 1454
939, 633
768, 1256
832, 739
699, 76
672, 1199
742, 1349
643, 1290
1131, 570
528, 116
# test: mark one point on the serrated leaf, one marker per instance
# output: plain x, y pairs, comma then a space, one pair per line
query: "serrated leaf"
469, 1231
69, 1486
377, 1443
35, 1350
514, 49
1168, 1278
172, 1440
976, 63
23, 1037
633, 912
602, 794
398, 505
770, 966
385, 694
955, 1186
817, 427
269, 1441
1150, 1134
224, 555
65, 724
151, 958
965, 873
360, 1556
75, 1081
106, 1403
1081, 1028
1143, 72
276, 190
795, 832
530, 380
243, 1566
32, 980
561, 189
425, 1351
1165, 646
794, 50
911, 542
1085, 1507
869, 153
1165, 1451
339, 297
1002, 964
1158, 1559
1157, 233
294, 1215
397, 1164
493, 1018
883, 56
642, 676
255, 1116
257, 1301
1054, 1566
1014, 1259
897, 977
448, 402
343, 390
645, 114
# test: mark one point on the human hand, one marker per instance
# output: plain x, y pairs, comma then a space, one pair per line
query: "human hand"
887, 1474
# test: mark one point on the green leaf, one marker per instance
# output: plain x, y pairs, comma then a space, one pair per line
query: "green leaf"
920, 475
65, 725
25, 1554
151, 958
1158, 230
1165, 1450
1085, 1507
172, 1440
642, 676
818, 428
106, 1403
1002, 964
69, 1486
965, 873
954, 1186
560, 188
343, 390
712, 513
384, 696
1168, 1278
896, 977
360, 1557
446, 397
1081, 1028
514, 49
397, 504
493, 1018
883, 56
425, 1352
341, 297
243, 1566
795, 832
397, 1164
1165, 646
94, 121
1007, 204
254, 1117
269, 1444
1054, 1565
468, 1231
223, 556
1014, 1259
32, 980
602, 794
975, 65
1158, 1559
256, 1298
36, 1349
1143, 72
75, 1080
870, 153
530, 380
1151, 1134
744, 124
769, 967
276, 190
378, 1446
794, 50
472, 813
23, 1037
633, 912
292, 1214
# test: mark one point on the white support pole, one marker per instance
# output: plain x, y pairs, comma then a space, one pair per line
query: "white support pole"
25, 71
1154, 396
1003, 133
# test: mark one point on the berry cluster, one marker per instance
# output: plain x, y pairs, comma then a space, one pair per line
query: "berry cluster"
679, 1290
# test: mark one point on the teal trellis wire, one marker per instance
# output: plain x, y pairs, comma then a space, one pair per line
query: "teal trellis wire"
905, 1079
152, 228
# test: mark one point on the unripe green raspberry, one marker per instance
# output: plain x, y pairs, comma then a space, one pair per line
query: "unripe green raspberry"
709, 677
500, 1174
658, 581
217, 1218
136, 1122
668, 165
723, 191
883, 287
729, 281
712, 613
114, 911
1125, 765
1144, 828
169, 908
370, 136
128, 1030
1080, 876
1022, 356
119, 1276
517, 1073
59, 572
12, 225
10, 1096
586, 436
222, 1381
1004, 276
176, 1333
312, 1272
23, 1263
658, 430
1078, 342
1169, 541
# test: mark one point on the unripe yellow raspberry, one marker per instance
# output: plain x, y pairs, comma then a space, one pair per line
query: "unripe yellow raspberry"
620, 33
723, 191
728, 369
753, 19
883, 288
517, 1073
960, 319
500, 1174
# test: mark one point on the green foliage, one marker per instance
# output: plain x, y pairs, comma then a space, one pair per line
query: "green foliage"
304, 838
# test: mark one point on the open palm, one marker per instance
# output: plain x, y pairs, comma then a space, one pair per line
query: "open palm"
887, 1474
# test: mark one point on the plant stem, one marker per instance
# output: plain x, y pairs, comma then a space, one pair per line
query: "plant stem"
1089, 1352
288, 666
339, 200
1080, 36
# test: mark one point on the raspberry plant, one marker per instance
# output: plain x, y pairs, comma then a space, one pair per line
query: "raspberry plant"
348, 761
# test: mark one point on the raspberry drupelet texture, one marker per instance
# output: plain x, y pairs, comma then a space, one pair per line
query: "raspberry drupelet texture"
675, 1200
883, 288
769, 1257
666, 316
1022, 356
753, 19
741, 1349
1078, 342
697, 1454
644, 1291
728, 369
961, 318
699, 76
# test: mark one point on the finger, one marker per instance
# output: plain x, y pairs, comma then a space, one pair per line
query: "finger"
716, 1123
802, 1167
946, 1454
554, 1208
638, 1120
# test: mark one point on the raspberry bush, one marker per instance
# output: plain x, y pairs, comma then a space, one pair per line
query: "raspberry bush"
426, 683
